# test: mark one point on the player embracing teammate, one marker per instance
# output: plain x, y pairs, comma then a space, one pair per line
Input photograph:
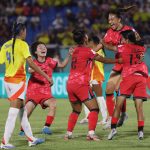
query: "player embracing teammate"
134, 77
78, 88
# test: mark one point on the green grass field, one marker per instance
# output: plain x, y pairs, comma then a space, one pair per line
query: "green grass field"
126, 138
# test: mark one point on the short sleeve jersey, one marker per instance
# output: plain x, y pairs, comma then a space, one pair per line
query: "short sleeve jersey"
131, 54
81, 65
15, 69
36, 80
113, 37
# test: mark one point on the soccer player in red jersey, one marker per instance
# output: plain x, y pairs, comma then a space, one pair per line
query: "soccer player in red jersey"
78, 88
113, 38
39, 89
134, 76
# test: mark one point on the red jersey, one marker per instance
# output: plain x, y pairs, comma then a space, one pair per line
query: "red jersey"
113, 36
130, 54
81, 65
38, 81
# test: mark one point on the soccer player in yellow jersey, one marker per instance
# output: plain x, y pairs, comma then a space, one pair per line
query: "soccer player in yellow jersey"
14, 54
97, 77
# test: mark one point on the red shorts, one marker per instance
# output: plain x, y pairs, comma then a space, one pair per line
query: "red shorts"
117, 67
39, 96
134, 84
77, 92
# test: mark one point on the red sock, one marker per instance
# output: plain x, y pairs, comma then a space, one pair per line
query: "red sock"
72, 121
140, 125
110, 103
123, 110
49, 120
93, 118
114, 122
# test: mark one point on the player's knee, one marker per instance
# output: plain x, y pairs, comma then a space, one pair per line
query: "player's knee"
53, 104
77, 112
110, 88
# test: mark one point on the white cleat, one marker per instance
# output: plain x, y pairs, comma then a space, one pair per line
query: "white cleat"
36, 142
112, 133
92, 137
101, 123
68, 136
140, 135
108, 124
7, 146
84, 121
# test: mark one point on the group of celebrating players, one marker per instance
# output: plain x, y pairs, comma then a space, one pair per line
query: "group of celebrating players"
128, 77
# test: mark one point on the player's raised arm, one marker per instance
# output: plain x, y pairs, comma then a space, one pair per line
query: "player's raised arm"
64, 62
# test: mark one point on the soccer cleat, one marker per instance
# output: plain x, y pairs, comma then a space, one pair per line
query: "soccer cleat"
84, 121
21, 133
112, 133
36, 142
7, 146
140, 135
101, 123
67, 136
46, 130
108, 124
122, 119
92, 137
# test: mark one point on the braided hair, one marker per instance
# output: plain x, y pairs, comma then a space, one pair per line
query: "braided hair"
17, 28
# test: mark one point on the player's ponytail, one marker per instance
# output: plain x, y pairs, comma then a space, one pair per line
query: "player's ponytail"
14, 39
120, 11
17, 28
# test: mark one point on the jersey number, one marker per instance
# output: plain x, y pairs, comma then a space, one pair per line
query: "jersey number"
8, 56
73, 63
138, 59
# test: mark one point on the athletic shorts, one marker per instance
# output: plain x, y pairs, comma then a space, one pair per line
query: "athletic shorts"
39, 97
15, 90
134, 84
77, 92
117, 68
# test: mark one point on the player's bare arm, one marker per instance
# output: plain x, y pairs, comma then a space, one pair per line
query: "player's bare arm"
63, 63
107, 60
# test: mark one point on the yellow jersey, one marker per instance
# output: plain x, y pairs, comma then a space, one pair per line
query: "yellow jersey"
15, 71
98, 69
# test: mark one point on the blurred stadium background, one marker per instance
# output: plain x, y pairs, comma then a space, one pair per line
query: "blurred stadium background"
51, 21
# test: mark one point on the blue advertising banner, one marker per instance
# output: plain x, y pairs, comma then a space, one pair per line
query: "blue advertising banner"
59, 86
